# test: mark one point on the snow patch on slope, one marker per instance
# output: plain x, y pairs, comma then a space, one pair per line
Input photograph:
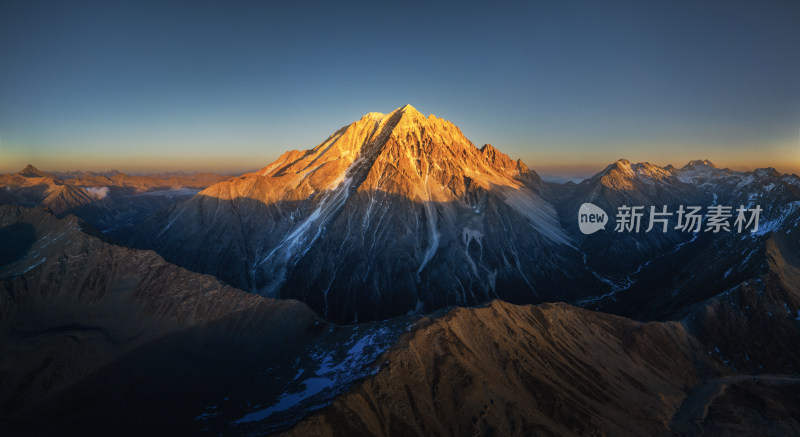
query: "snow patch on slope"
335, 371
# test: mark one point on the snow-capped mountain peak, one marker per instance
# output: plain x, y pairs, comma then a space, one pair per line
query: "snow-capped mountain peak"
699, 163
398, 211
622, 174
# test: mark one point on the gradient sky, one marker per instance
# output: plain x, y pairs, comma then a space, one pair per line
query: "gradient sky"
566, 86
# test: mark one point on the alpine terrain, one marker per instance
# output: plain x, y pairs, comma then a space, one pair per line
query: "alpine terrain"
397, 280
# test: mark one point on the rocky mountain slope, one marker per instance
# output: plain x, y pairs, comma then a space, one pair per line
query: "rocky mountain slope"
509, 370
102, 339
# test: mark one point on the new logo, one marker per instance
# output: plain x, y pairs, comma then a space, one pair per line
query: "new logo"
591, 218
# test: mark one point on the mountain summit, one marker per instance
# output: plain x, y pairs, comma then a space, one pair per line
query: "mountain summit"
621, 174
392, 213
402, 152
32, 172
699, 163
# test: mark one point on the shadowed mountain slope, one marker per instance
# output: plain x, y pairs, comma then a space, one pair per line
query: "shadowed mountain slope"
102, 339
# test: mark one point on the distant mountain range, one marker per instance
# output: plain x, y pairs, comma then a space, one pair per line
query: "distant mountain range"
396, 280
106, 200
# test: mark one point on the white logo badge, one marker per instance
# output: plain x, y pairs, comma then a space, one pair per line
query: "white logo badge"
591, 218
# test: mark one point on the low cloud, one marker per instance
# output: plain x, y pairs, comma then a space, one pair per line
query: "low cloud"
99, 192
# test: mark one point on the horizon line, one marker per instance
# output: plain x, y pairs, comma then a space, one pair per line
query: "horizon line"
543, 168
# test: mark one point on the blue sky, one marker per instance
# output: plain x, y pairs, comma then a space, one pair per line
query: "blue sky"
566, 86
